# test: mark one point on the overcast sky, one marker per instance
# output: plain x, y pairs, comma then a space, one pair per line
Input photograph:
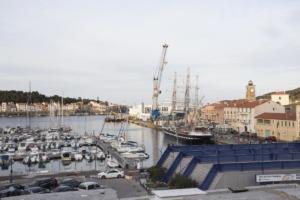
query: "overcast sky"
111, 48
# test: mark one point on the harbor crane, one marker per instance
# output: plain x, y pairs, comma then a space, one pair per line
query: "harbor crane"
156, 83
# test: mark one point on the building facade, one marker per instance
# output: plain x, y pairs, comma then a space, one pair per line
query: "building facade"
281, 97
241, 115
283, 126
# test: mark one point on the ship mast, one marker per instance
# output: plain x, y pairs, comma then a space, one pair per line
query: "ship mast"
28, 109
187, 97
196, 99
174, 95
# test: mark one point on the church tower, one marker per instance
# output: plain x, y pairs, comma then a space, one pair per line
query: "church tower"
250, 91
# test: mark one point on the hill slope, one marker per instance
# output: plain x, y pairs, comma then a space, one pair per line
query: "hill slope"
36, 97
294, 95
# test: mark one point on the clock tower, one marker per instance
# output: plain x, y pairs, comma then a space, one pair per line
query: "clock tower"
250, 91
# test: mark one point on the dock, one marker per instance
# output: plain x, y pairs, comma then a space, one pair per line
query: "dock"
108, 150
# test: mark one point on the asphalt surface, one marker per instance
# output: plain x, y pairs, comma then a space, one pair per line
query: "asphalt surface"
122, 187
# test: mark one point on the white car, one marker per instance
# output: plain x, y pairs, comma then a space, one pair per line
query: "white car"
89, 186
111, 173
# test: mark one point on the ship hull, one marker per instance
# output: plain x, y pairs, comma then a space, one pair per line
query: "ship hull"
189, 139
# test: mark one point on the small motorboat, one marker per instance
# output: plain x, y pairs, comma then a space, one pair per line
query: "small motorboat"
100, 155
78, 156
66, 157
111, 162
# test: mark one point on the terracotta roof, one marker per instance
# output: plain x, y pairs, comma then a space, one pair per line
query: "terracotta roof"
278, 116
251, 104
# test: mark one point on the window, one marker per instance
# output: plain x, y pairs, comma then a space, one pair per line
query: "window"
260, 121
267, 121
293, 124
281, 123
285, 123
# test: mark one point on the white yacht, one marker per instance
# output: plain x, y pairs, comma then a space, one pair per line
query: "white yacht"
112, 162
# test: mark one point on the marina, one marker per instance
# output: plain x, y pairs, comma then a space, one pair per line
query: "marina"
87, 151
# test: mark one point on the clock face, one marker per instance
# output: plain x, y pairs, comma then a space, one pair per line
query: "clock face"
251, 90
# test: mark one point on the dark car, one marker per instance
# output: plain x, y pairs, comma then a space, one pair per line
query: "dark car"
48, 183
64, 188
38, 190
270, 139
71, 183
12, 190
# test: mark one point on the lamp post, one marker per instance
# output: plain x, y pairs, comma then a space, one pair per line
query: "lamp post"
11, 171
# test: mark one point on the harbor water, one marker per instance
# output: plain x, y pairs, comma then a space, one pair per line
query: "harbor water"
153, 141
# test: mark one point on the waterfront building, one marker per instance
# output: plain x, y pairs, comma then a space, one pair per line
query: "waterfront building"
281, 97
283, 126
143, 112
241, 115
250, 91
3, 106
213, 113
21, 107
97, 107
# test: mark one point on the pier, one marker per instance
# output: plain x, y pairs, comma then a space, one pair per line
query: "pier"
108, 150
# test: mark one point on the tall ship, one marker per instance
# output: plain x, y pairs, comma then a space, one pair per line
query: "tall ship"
183, 120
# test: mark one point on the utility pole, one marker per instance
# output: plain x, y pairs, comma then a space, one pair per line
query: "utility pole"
11, 170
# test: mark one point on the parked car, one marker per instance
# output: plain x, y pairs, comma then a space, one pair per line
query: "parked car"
270, 139
48, 183
71, 182
111, 173
12, 190
64, 188
37, 190
89, 186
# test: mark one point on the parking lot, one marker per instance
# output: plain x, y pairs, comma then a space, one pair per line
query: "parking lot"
117, 187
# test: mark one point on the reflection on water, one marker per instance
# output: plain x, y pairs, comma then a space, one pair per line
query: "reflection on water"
154, 141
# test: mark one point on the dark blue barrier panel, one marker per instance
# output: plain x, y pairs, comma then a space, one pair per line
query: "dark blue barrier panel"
227, 158
285, 156
242, 148
242, 158
293, 164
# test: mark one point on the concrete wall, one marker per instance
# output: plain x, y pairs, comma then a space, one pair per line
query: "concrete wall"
243, 179
168, 162
200, 172
183, 165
